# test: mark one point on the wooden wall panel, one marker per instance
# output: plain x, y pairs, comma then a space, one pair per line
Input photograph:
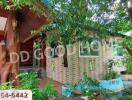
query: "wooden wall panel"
78, 65
28, 46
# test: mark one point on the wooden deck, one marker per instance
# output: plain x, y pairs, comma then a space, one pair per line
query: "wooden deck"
56, 84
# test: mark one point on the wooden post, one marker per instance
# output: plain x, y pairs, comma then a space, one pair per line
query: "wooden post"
4, 67
12, 46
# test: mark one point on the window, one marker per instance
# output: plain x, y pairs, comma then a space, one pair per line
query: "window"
2, 23
89, 48
117, 50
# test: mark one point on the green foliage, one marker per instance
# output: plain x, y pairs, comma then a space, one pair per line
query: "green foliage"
127, 44
126, 94
30, 81
37, 94
36, 45
110, 73
110, 63
128, 63
6, 86
52, 38
48, 92
91, 86
89, 94
19, 4
73, 19
89, 80
127, 97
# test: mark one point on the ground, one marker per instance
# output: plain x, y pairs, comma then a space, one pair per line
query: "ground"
56, 84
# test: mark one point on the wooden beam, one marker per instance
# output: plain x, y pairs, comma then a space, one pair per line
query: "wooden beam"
28, 38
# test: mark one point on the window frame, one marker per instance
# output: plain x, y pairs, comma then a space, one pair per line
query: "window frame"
87, 56
112, 47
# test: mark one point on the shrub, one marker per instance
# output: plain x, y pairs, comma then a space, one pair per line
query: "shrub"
30, 81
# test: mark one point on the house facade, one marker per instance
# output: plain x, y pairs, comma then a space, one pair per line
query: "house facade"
89, 57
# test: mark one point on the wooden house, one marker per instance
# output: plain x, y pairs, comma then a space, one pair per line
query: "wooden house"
82, 59
16, 32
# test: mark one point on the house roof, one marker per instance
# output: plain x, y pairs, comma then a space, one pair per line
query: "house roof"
3, 14
29, 21
3, 21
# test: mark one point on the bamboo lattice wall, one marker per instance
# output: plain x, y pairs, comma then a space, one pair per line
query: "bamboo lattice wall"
78, 65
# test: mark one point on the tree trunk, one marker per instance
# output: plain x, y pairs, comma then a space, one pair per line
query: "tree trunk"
12, 47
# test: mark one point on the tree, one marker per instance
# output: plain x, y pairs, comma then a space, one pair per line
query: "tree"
19, 4
71, 19
127, 43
